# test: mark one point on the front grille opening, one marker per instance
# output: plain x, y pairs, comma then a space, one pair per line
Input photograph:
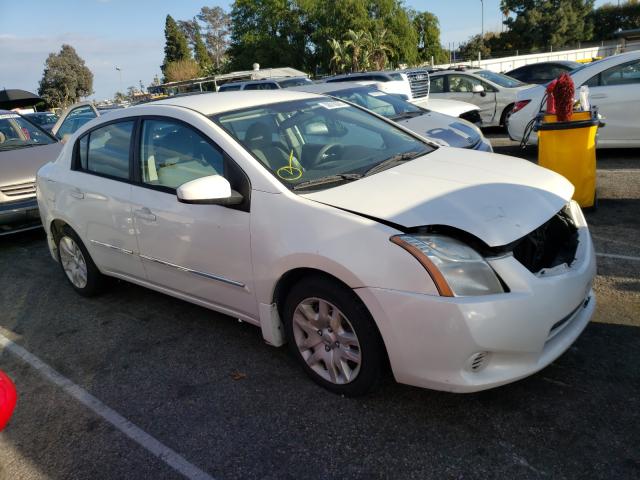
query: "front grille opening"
549, 245
478, 361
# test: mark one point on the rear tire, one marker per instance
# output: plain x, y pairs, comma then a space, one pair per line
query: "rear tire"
506, 113
333, 336
77, 265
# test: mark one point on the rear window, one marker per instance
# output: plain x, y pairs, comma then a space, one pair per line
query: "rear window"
105, 150
261, 86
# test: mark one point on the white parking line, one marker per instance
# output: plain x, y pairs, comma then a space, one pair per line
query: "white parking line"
619, 257
156, 448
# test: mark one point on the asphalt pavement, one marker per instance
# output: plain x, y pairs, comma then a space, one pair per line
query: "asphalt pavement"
207, 388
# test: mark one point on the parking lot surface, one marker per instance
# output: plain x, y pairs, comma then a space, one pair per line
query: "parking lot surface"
207, 387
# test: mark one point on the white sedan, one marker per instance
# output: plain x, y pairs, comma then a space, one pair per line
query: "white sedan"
332, 229
614, 86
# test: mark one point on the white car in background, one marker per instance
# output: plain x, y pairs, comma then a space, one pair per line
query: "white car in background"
331, 228
614, 87
443, 129
494, 93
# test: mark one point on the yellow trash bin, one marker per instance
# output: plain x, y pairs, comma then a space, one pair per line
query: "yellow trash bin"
569, 148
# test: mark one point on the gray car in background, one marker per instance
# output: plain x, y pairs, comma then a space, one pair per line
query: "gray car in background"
24, 148
441, 129
494, 93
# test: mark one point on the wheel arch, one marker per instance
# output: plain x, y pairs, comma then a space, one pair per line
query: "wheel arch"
505, 112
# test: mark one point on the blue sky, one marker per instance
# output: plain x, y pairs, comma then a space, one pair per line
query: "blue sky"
130, 34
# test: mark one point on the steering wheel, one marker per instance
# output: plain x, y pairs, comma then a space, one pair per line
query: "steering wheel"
326, 155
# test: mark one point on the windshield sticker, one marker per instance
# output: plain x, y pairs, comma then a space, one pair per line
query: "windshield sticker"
289, 172
377, 94
9, 115
332, 105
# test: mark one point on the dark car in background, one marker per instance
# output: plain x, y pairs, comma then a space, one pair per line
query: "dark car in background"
45, 120
24, 148
265, 84
543, 72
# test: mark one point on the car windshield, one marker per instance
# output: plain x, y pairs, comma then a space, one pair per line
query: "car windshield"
43, 118
294, 82
318, 143
390, 106
499, 79
16, 132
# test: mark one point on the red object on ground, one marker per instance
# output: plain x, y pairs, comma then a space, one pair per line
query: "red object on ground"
563, 93
8, 397
551, 99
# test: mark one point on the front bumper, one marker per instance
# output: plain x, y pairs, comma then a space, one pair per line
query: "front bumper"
19, 216
467, 344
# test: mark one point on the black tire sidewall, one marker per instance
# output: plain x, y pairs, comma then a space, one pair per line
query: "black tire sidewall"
371, 348
94, 277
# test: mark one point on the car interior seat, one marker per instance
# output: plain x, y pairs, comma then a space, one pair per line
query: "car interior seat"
259, 139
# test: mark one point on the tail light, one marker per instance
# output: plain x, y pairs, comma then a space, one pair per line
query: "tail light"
520, 105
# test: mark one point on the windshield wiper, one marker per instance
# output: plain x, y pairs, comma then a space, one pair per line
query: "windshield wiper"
403, 115
392, 161
329, 179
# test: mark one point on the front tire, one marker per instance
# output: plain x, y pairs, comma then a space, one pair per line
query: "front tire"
333, 336
77, 265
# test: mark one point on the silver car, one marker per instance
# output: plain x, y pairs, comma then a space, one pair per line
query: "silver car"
24, 148
437, 127
494, 93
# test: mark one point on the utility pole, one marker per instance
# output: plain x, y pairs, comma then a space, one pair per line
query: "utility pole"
482, 31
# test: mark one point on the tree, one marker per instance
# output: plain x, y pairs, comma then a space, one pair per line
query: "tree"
200, 53
357, 43
216, 32
377, 48
340, 60
540, 24
269, 32
119, 97
427, 29
179, 70
65, 79
475, 45
176, 47
609, 18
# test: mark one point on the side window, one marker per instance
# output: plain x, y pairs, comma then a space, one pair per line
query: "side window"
75, 119
105, 150
593, 81
462, 83
621, 74
172, 154
437, 84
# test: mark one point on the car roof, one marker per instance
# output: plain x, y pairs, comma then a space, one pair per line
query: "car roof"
213, 103
359, 74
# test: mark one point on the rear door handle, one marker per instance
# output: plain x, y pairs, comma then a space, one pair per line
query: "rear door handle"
145, 214
75, 193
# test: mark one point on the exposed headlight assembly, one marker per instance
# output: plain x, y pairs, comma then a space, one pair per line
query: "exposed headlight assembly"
456, 269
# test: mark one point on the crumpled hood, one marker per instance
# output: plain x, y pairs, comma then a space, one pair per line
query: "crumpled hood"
21, 164
497, 198
443, 129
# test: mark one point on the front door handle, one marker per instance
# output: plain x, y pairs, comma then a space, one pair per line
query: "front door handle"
599, 95
145, 214
76, 193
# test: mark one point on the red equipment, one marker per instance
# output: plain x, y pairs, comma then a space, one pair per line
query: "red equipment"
8, 397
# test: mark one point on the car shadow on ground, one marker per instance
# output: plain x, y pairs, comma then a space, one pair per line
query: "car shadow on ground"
208, 387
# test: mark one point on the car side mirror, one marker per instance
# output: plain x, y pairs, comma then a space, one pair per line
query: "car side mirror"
479, 89
210, 190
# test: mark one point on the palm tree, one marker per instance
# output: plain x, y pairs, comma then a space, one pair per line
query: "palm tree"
357, 42
378, 48
340, 58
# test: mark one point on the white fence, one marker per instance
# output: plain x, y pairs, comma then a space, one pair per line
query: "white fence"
509, 63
